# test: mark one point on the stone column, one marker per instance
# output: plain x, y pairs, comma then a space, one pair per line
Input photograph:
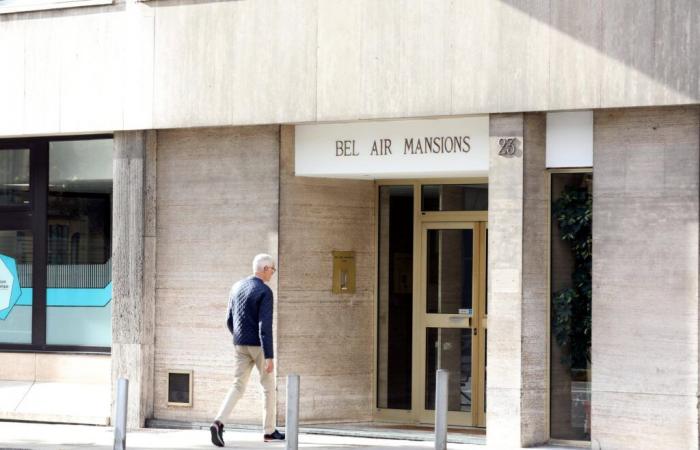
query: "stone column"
535, 276
645, 278
517, 287
133, 270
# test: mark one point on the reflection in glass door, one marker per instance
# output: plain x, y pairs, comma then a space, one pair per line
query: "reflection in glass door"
55, 244
16, 256
452, 318
16, 245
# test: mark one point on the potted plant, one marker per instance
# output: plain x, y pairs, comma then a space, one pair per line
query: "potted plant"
571, 306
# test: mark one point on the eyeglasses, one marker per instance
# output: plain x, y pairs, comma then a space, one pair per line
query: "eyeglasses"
273, 269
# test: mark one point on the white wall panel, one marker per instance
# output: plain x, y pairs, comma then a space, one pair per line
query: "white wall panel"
570, 139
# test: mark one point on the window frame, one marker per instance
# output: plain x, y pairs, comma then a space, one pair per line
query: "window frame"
34, 217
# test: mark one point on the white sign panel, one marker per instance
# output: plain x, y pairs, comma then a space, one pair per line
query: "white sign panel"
570, 139
421, 148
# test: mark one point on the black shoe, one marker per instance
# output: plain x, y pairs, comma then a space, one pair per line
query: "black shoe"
217, 434
274, 436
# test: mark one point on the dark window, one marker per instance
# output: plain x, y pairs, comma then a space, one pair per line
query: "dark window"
55, 244
80, 243
455, 197
449, 271
14, 177
449, 349
179, 388
570, 364
395, 297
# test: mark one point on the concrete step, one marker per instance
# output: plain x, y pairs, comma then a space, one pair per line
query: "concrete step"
355, 430
56, 402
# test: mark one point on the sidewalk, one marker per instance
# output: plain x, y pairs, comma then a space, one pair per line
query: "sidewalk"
34, 436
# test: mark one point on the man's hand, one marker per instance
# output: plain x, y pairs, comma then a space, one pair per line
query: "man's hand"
269, 365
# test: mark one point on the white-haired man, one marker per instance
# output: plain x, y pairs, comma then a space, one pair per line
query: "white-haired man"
249, 319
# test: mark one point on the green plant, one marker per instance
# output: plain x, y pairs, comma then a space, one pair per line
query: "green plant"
571, 318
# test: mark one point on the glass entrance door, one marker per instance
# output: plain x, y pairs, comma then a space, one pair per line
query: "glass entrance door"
451, 313
431, 299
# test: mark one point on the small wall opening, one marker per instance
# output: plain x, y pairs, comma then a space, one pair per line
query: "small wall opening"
179, 388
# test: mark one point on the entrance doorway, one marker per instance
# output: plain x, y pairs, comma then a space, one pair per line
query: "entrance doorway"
452, 318
432, 310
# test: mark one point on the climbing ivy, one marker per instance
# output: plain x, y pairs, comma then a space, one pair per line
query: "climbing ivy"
571, 315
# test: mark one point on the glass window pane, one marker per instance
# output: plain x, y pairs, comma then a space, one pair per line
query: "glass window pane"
449, 267
455, 197
570, 364
449, 349
395, 302
16, 256
79, 272
14, 177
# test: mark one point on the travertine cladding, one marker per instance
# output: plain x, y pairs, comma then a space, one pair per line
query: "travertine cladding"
86, 369
133, 302
51, 367
534, 365
645, 279
517, 287
327, 339
217, 207
144, 65
504, 286
17, 366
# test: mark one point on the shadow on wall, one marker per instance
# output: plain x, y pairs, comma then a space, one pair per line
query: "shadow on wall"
660, 40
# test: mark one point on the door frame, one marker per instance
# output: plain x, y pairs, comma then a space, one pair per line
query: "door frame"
414, 415
475, 323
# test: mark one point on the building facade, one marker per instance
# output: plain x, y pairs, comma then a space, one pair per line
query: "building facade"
504, 189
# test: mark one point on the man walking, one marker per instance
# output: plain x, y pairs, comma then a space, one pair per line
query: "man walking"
250, 322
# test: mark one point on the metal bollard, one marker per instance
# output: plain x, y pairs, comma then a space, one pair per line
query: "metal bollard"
120, 417
441, 379
292, 427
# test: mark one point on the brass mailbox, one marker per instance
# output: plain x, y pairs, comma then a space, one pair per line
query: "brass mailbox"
343, 272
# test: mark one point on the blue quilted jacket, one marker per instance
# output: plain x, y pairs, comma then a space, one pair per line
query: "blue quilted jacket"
250, 314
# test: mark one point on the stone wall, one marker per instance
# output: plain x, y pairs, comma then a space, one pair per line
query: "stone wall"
133, 305
144, 65
327, 339
645, 278
535, 302
217, 207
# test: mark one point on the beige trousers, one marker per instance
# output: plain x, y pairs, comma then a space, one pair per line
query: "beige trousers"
245, 357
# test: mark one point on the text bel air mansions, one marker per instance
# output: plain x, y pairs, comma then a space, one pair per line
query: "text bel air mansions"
411, 146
